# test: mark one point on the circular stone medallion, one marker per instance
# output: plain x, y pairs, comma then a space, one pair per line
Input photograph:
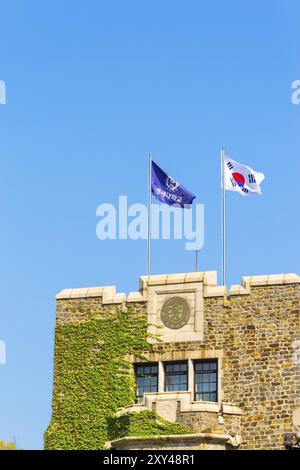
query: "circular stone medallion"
175, 313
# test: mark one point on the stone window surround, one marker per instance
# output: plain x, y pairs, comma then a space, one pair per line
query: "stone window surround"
187, 397
191, 375
189, 356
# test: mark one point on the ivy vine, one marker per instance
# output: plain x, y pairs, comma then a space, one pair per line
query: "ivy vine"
92, 381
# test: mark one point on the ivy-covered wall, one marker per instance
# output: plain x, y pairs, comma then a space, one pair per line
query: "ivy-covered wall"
143, 423
92, 381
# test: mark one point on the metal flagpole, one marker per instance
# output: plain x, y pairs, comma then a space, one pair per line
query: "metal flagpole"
196, 263
223, 197
149, 215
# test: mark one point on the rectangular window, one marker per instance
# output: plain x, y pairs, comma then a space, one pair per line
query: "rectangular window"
146, 377
176, 376
206, 380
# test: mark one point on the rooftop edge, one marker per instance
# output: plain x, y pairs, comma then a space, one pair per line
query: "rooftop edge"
209, 279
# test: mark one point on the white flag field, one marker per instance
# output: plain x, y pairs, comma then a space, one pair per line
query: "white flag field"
241, 178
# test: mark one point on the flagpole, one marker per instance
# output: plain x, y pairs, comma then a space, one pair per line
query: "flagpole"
149, 215
223, 196
196, 261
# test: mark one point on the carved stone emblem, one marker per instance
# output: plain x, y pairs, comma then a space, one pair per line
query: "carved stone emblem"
175, 313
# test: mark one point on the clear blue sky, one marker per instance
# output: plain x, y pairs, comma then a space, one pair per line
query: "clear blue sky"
92, 87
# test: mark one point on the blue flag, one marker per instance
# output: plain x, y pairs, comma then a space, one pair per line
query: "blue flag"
168, 190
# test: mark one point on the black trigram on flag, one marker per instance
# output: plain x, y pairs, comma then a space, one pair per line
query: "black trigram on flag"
251, 178
233, 182
245, 190
230, 165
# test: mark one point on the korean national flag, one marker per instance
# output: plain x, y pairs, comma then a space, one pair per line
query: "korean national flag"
241, 178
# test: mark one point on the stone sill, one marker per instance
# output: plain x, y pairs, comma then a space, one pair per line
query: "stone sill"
186, 405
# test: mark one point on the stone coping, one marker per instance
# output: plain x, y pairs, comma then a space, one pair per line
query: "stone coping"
176, 439
136, 408
108, 294
269, 280
209, 279
185, 404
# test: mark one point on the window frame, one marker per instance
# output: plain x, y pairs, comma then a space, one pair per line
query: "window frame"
206, 361
165, 364
139, 398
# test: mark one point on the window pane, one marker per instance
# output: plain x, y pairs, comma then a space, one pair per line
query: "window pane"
213, 377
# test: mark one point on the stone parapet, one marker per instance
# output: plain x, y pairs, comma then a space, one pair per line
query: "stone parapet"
208, 278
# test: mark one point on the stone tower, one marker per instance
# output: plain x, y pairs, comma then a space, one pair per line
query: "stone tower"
207, 368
